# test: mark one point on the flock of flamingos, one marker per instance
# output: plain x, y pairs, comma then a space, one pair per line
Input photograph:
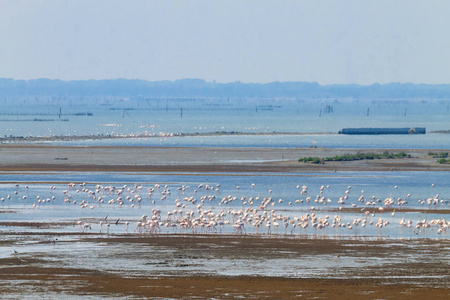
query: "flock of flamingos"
205, 210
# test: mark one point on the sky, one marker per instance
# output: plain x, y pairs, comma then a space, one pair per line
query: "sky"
329, 42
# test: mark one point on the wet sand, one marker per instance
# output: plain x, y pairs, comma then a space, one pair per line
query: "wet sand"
180, 268
71, 265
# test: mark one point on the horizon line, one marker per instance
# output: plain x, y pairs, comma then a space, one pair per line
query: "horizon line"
214, 82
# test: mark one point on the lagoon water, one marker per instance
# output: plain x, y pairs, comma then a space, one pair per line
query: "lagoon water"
316, 122
376, 186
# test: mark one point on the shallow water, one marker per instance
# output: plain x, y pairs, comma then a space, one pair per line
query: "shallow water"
50, 234
46, 198
144, 116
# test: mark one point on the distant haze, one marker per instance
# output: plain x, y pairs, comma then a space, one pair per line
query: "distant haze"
197, 88
327, 41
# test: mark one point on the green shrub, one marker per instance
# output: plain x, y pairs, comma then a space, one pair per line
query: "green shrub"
443, 161
357, 156
438, 155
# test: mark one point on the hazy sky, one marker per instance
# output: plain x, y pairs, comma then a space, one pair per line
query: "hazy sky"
352, 41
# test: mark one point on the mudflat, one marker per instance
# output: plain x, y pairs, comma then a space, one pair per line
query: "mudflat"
202, 266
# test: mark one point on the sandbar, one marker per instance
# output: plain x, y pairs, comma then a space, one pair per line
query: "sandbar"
38, 157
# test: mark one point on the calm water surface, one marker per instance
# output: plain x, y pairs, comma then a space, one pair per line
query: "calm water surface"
316, 121
154, 116
20, 191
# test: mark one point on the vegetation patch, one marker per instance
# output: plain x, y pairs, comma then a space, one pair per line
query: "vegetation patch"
438, 154
444, 161
441, 155
357, 156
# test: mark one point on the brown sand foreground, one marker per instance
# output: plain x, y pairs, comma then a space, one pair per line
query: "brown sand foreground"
33, 157
176, 266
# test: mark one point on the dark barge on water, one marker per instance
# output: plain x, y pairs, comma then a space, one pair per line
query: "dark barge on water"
407, 130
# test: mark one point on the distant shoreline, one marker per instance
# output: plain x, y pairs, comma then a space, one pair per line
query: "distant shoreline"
55, 138
199, 88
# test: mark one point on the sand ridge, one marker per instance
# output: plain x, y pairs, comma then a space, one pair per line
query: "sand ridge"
32, 157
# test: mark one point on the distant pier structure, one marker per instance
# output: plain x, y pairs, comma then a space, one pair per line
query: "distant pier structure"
407, 130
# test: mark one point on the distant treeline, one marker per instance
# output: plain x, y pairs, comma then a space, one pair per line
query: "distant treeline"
201, 88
